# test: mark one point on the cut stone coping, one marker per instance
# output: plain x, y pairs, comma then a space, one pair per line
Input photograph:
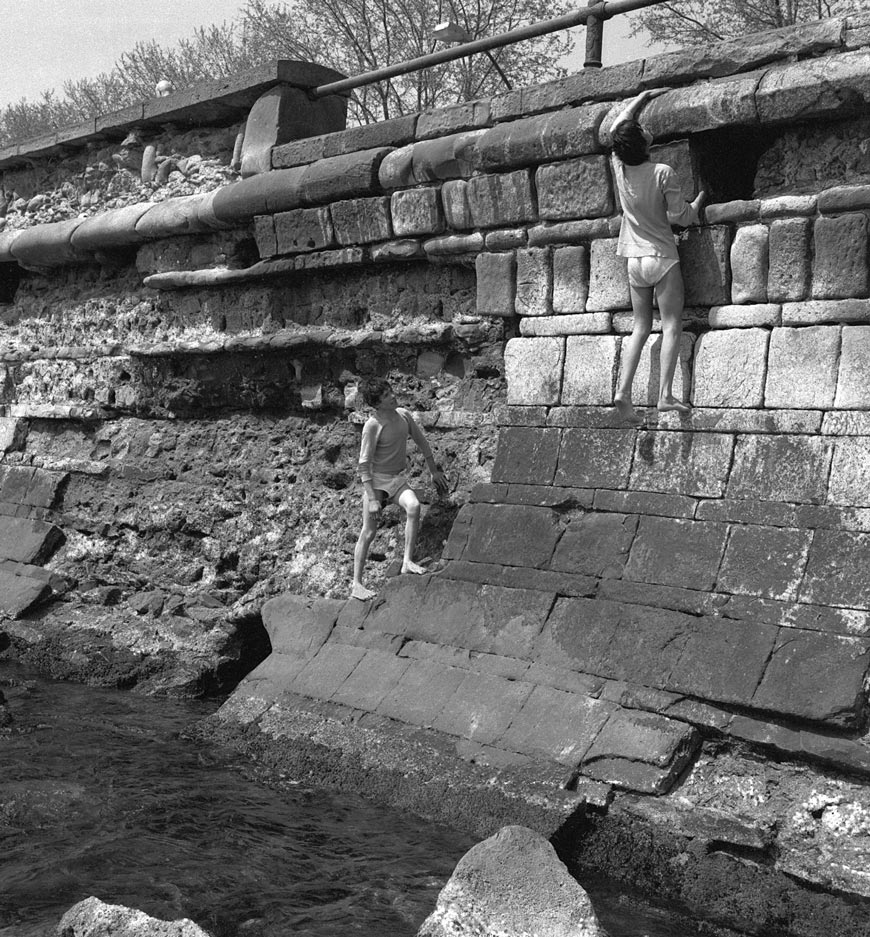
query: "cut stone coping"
220, 102
430, 333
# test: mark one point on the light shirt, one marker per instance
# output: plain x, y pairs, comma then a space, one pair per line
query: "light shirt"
652, 200
383, 448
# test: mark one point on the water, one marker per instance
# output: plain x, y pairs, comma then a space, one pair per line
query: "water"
100, 795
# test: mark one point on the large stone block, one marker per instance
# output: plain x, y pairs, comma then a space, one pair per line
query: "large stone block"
526, 455
853, 380
19, 593
645, 386
850, 472
534, 282
682, 463
483, 707
749, 264
324, 673
421, 693
583, 323
533, 368
590, 370
827, 87
47, 245
703, 106
496, 283
503, 199
595, 458
513, 535
416, 212
285, 113
298, 626
672, 552
28, 541
788, 278
111, 229
485, 618
840, 268
704, 260
730, 366
342, 177
303, 229
641, 751
540, 139
780, 468
802, 367
556, 725
376, 674
764, 561
608, 279
678, 155
570, 279
457, 213
596, 545
838, 570
829, 670
445, 157
361, 220
577, 188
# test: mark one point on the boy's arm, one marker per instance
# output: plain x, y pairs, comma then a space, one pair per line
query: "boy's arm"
419, 437
680, 211
366, 454
635, 106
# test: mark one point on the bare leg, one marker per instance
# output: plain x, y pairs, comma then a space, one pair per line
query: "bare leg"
361, 551
408, 501
669, 292
641, 304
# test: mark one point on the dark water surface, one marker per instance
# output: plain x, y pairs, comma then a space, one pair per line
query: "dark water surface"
99, 795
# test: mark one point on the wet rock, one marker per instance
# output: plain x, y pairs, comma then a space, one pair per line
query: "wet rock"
95, 918
512, 883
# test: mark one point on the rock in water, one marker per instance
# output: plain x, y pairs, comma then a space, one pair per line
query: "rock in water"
94, 918
512, 885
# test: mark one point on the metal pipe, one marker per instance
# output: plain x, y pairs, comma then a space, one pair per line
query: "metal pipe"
594, 40
604, 10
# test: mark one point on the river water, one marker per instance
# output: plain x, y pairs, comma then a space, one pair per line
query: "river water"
100, 794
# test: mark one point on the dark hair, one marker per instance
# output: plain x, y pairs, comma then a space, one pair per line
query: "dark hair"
629, 143
374, 389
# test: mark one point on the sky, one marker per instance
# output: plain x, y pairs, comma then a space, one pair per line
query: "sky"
45, 42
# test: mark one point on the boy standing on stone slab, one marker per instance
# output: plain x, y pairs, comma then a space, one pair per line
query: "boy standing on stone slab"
382, 463
652, 200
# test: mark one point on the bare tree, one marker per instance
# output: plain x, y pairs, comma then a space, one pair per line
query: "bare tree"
356, 36
352, 36
686, 23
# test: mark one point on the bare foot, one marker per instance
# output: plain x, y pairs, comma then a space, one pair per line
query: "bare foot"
409, 567
673, 404
359, 591
626, 412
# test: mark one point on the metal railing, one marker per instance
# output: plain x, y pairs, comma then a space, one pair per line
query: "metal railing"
593, 16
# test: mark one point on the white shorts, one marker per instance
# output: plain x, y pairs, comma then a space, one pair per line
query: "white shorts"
648, 271
391, 485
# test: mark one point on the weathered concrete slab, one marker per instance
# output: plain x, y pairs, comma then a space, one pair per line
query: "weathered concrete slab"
483, 707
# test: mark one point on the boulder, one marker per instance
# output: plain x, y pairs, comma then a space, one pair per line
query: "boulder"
512, 883
95, 918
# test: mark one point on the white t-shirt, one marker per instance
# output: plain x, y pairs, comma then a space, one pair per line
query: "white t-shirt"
652, 200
